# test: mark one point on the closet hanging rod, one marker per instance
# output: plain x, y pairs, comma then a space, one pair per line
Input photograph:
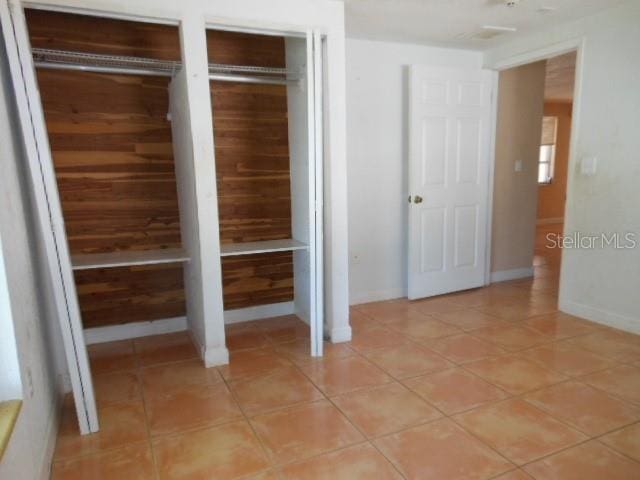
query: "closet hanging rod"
98, 69
65, 60
225, 77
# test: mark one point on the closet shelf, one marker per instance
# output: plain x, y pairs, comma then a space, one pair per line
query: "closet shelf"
250, 248
88, 261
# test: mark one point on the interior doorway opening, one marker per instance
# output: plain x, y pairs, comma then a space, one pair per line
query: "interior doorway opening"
533, 132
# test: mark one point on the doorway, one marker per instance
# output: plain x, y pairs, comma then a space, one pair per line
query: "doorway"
533, 132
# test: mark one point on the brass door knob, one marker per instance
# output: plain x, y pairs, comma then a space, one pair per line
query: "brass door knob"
417, 199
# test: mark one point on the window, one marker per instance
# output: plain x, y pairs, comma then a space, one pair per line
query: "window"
547, 149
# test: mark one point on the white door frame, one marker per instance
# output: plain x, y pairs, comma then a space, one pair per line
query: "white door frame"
574, 44
316, 185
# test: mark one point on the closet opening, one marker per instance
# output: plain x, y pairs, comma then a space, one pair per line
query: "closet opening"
104, 88
269, 187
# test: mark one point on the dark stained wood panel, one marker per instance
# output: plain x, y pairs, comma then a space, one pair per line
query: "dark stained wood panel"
107, 36
112, 153
261, 279
115, 296
113, 159
252, 161
237, 48
253, 170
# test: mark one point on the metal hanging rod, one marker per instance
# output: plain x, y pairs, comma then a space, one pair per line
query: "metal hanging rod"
89, 62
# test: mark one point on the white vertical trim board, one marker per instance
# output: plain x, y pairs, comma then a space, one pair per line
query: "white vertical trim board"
311, 132
297, 105
492, 169
193, 44
504, 275
318, 221
127, 331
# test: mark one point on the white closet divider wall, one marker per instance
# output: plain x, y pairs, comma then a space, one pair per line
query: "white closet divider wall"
187, 201
301, 177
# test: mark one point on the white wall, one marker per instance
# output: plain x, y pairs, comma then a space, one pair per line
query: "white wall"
600, 284
38, 339
377, 160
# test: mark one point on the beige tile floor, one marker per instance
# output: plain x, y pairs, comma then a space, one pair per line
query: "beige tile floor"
492, 383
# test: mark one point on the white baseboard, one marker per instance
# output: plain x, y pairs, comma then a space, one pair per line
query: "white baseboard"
340, 334
516, 273
216, 356
210, 356
376, 296
549, 221
133, 330
259, 311
603, 317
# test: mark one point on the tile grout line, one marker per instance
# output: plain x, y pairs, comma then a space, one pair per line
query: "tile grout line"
154, 459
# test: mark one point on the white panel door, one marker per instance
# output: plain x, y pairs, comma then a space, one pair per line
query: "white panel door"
49, 211
449, 152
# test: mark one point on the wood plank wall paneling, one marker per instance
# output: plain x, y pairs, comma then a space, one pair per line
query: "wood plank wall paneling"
252, 161
250, 280
88, 34
252, 167
114, 296
112, 153
237, 48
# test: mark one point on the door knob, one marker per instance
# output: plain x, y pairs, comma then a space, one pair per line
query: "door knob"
417, 199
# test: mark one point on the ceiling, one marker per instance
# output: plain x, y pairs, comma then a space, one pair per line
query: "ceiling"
458, 23
560, 78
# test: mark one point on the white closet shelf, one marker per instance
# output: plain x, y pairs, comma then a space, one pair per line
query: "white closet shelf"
250, 248
87, 261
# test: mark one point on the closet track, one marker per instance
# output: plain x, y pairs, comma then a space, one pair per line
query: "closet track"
120, 64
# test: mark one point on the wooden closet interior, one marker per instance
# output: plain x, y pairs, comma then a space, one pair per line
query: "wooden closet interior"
111, 144
118, 164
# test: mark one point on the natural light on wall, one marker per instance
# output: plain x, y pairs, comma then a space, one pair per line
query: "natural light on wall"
547, 149
10, 384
